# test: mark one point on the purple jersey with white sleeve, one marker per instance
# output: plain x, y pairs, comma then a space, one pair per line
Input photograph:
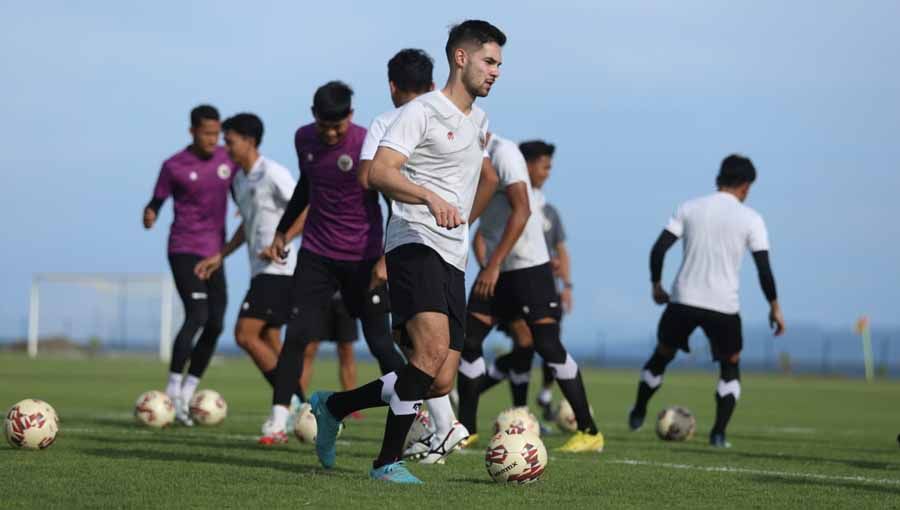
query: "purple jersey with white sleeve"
199, 188
344, 221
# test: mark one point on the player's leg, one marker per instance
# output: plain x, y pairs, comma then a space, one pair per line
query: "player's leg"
272, 338
725, 336
309, 355
194, 297
545, 397
249, 334
675, 327
205, 347
346, 365
372, 306
472, 370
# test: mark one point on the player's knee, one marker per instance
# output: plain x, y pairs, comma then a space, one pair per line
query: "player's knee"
547, 342
735, 358
441, 386
196, 313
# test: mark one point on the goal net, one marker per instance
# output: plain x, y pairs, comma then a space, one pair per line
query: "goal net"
109, 312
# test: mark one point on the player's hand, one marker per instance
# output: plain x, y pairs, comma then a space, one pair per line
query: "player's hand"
446, 215
206, 267
487, 281
566, 298
660, 296
776, 319
149, 218
275, 252
379, 274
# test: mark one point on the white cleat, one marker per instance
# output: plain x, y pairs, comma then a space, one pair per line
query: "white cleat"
419, 448
441, 447
183, 413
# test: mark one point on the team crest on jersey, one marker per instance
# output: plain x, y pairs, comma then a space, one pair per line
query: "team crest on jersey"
192, 176
224, 171
345, 162
450, 135
309, 156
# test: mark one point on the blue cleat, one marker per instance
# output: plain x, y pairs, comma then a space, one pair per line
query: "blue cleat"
326, 428
395, 473
717, 440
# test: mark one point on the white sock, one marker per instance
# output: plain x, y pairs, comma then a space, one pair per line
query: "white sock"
173, 389
545, 396
441, 414
189, 387
280, 417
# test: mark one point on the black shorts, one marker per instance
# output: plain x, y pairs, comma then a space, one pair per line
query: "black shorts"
421, 281
723, 330
268, 299
528, 294
318, 278
213, 291
341, 327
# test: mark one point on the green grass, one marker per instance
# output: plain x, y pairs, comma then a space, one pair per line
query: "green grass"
798, 442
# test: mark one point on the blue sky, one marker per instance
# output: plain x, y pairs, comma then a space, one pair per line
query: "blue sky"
643, 99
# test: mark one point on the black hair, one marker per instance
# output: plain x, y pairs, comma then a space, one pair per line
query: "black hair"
410, 70
472, 31
735, 170
534, 149
331, 102
203, 112
245, 124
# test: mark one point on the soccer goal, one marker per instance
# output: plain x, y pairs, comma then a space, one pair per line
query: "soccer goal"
101, 311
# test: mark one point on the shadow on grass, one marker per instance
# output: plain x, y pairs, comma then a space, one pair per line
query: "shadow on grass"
847, 484
862, 464
174, 439
207, 458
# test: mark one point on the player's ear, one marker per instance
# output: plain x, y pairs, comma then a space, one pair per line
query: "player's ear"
460, 57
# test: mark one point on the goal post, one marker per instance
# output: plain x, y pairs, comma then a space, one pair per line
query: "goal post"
112, 311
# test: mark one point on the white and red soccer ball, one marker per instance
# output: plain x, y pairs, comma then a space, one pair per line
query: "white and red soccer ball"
517, 417
675, 424
31, 424
515, 457
565, 418
154, 409
208, 407
305, 426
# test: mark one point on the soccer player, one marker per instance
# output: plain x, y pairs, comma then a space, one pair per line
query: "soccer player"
342, 243
343, 332
517, 281
428, 163
716, 229
261, 189
198, 179
409, 76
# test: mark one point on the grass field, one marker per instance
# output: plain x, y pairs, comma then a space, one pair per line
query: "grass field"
798, 442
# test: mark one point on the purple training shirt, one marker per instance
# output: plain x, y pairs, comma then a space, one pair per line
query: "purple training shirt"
200, 189
344, 221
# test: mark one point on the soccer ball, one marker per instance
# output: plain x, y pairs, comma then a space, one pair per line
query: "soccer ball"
420, 431
566, 416
31, 424
518, 418
208, 407
154, 409
675, 424
305, 425
515, 457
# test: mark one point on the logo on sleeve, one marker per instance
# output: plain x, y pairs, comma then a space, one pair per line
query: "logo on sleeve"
224, 171
548, 225
192, 176
309, 156
345, 162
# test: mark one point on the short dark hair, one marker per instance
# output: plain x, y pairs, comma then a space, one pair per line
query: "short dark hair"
472, 31
534, 149
245, 124
735, 170
411, 70
203, 112
331, 102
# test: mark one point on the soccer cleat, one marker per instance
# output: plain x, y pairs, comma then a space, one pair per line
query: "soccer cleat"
469, 442
717, 440
356, 415
635, 419
183, 413
583, 442
273, 438
547, 411
419, 447
442, 447
327, 427
293, 411
395, 472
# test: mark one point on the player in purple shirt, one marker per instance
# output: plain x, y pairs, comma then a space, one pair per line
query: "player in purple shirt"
341, 249
198, 179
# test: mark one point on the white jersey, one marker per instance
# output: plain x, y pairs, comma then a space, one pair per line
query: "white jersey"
445, 151
716, 230
376, 132
262, 195
530, 249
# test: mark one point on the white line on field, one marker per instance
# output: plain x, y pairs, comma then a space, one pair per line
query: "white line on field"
729, 469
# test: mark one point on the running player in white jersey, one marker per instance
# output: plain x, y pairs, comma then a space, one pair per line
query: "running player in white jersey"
428, 163
716, 230
262, 188
517, 281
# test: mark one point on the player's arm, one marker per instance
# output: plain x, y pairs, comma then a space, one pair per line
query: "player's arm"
767, 282
487, 185
386, 177
565, 274
665, 241
161, 192
206, 267
517, 194
362, 175
479, 248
